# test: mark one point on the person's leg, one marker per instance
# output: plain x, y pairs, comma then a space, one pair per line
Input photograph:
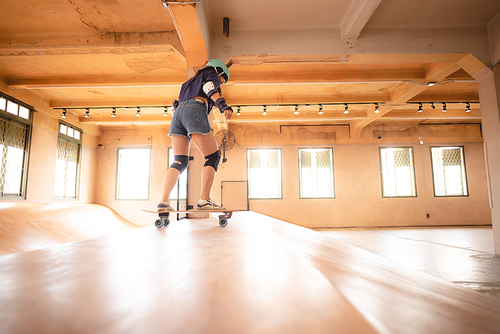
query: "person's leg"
207, 146
180, 146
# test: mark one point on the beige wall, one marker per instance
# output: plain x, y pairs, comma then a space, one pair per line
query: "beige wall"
358, 200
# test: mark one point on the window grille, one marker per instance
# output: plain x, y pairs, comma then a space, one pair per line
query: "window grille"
68, 162
15, 130
13, 163
316, 173
133, 173
448, 171
264, 173
398, 175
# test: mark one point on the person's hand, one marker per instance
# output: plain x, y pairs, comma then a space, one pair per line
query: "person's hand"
228, 113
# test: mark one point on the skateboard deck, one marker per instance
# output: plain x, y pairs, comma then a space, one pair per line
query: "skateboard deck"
164, 220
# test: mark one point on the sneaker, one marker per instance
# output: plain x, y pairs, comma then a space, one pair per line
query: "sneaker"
163, 206
209, 205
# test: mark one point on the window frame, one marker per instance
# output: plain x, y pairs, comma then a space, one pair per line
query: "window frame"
28, 124
412, 153
117, 174
73, 141
462, 149
332, 171
280, 167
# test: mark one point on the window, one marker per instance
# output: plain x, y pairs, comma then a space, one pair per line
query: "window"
68, 161
15, 125
398, 176
448, 171
181, 185
133, 173
264, 173
316, 173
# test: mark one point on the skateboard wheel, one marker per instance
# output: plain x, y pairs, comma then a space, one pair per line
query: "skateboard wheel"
166, 221
159, 223
222, 222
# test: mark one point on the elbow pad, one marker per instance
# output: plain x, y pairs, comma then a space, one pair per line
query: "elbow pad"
209, 88
221, 104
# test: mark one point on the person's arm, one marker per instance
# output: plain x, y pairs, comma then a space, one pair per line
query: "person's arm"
221, 104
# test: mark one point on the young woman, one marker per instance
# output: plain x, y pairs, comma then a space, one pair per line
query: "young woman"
190, 122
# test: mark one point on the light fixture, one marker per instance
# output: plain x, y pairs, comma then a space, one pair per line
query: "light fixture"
113, 112
346, 109
165, 111
87, 113
264, 110
430, 84
307, 105
138, 113
63, 114
376, 109
238, 111
420, 107
444, 107
320, 111
467, 107
432, 105
296, 110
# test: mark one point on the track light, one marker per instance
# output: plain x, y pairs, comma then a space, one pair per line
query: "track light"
63, 114
264, 110
376, 109
307, 105
346, 109
87, 113
444, 107
296, 110
320, 111
420, 108
432, 105
138, 113
165, 111
113, 112
238, 111
467, 107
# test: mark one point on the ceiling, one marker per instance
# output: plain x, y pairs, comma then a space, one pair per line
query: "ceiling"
101, 54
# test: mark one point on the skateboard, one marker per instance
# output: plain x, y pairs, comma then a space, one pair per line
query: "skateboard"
164, 220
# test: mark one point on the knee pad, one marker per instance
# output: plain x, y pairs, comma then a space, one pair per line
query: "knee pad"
213, 160
180, 163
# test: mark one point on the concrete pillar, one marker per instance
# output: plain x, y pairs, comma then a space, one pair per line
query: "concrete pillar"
489, 93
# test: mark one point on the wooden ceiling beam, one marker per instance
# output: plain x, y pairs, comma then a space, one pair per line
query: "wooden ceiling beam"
356, 17
435, 72
189, 31
108, 43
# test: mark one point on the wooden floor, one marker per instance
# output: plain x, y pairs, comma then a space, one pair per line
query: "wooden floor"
257, 275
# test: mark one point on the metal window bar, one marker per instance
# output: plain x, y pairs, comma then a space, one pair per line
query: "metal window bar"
69, 154
13, 163
449, 174
316, 173
398, 177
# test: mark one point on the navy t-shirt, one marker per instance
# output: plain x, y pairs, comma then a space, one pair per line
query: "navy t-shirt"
194, 86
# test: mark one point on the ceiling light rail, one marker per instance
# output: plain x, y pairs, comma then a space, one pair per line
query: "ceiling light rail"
444, 105
238, 107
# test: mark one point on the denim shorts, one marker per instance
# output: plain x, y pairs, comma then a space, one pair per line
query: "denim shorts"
190, 117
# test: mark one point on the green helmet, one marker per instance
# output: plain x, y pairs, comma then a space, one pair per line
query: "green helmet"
220, 67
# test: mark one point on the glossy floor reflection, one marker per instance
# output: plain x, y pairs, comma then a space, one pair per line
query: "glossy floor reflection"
257, 275
462, 255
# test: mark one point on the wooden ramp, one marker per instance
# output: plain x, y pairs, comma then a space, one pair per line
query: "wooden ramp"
29, 226
257, 275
